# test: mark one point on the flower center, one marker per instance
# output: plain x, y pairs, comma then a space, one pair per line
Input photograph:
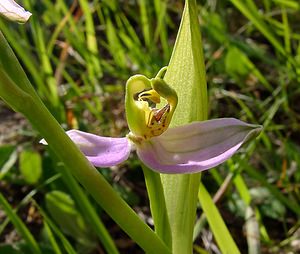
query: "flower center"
147, 119
157, 120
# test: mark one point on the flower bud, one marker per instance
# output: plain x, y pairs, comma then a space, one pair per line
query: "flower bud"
14, 12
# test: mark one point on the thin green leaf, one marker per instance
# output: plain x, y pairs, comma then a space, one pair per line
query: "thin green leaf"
39, 39
252, 14
93, 62
145, 24
288, 3
11, 160
52, 240
20, 226
66, 244
216, 223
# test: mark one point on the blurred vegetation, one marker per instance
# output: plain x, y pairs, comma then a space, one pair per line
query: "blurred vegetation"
79, 54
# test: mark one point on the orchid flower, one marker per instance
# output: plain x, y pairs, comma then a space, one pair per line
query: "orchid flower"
14, 12
184, 149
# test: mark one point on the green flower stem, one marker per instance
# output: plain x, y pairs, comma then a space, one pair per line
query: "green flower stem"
186, 74
158, 205
11, 93
36, 112
10, 64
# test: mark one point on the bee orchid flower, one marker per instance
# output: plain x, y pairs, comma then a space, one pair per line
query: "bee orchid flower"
179, 150
14, 12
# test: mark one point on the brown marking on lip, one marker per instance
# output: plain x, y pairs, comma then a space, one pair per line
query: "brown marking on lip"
159, 113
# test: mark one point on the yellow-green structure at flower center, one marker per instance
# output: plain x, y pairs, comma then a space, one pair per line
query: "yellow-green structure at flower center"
145, 119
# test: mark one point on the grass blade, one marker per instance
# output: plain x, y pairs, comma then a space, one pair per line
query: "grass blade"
216, 223
257, 20
52, 240
20, 226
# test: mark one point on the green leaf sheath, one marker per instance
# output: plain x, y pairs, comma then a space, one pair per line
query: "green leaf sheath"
186, 70
185, 74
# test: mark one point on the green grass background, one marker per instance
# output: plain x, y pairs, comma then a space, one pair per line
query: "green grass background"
79, 54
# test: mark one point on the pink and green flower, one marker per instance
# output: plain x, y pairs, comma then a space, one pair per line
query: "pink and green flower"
194, 147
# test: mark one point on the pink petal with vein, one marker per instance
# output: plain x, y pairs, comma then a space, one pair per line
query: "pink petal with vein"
197, 146
101, 151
